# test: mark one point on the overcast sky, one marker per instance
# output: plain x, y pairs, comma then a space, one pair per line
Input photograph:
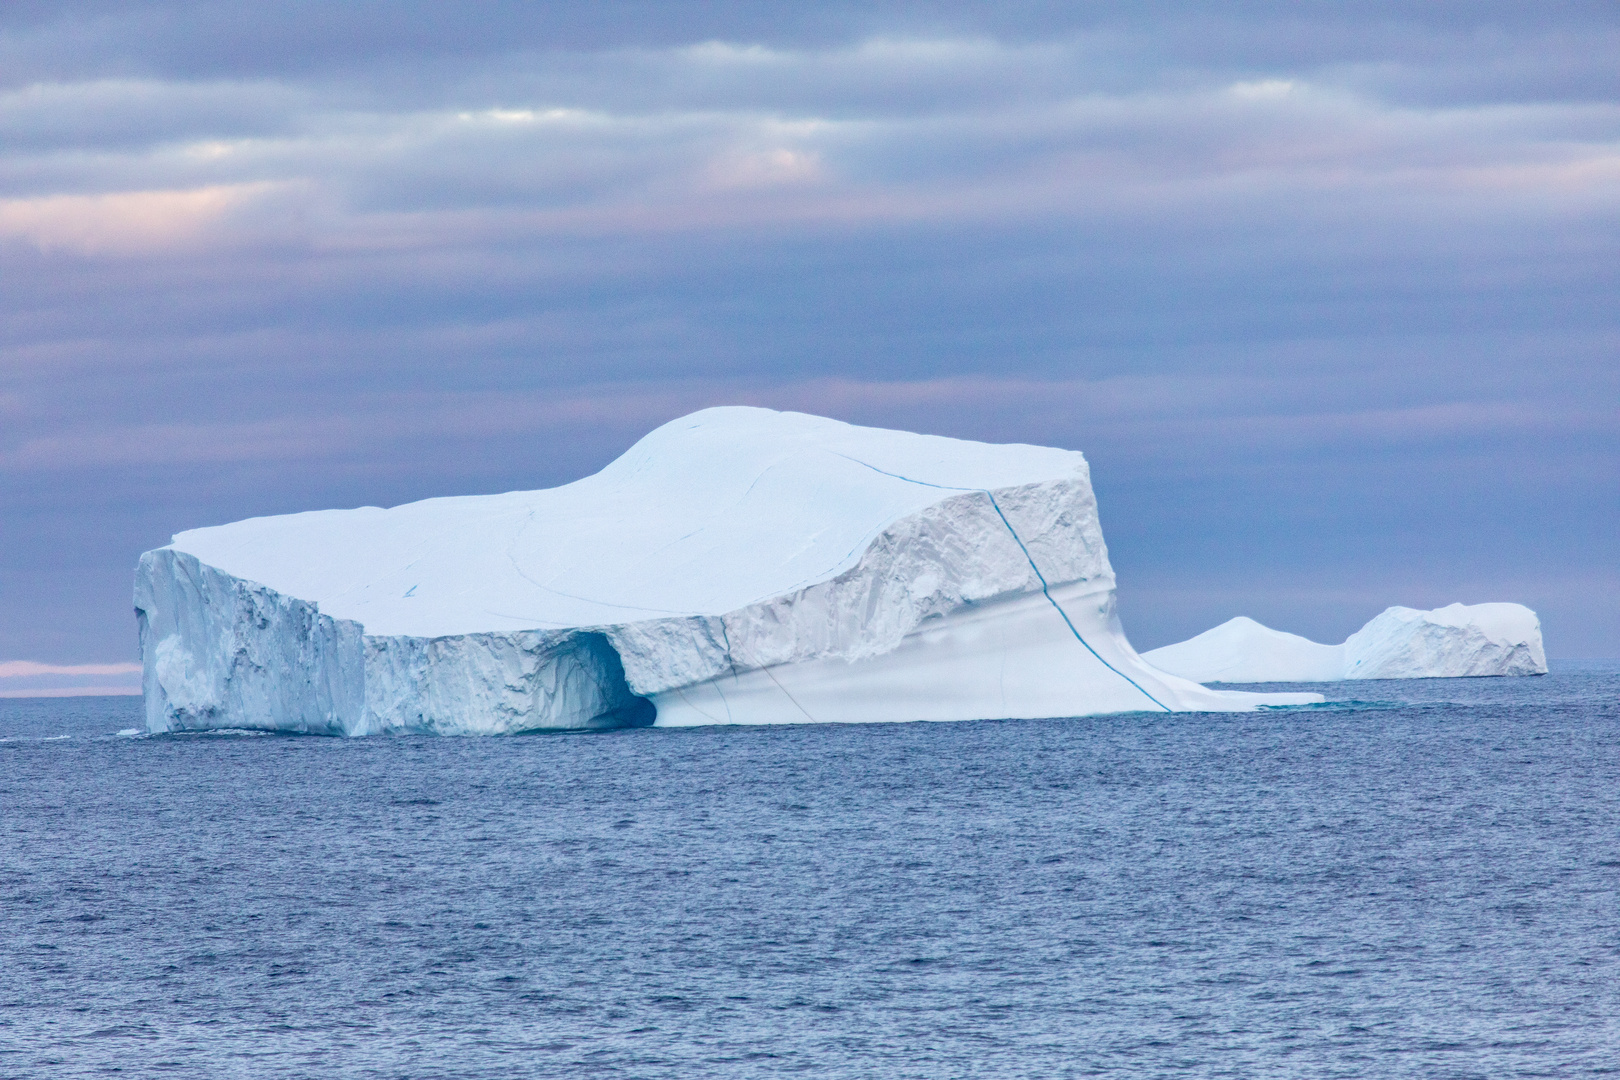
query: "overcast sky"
1329, 293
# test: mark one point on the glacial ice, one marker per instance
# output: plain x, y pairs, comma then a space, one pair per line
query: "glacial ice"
737, 565
1401, 643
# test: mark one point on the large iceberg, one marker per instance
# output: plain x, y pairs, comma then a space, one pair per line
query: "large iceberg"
1401, 643
735, 566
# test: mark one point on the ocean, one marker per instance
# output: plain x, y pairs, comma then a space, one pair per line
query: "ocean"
1423, 882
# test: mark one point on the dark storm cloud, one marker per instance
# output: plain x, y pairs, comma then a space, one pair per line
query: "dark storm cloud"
1325, 292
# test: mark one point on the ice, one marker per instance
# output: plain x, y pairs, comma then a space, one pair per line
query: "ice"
737, 565
1453, 641
1401, 643
1242, 650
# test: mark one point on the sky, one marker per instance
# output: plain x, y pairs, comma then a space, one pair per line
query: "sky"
1326, 292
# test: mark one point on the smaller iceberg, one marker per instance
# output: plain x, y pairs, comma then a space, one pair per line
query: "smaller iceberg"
1402, 643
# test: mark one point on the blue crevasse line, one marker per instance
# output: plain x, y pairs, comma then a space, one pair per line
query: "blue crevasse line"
1045, 590
1059, 607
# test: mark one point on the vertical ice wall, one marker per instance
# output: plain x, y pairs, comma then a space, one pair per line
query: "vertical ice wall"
218, 651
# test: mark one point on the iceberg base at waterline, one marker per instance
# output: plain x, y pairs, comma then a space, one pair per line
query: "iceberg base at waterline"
1456, 641
1015, 659
735, 566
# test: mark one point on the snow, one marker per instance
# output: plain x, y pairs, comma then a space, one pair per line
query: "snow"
1453, 641
1242, 650
1401, 643
737, 565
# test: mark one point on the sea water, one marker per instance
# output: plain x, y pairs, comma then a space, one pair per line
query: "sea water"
1425, 882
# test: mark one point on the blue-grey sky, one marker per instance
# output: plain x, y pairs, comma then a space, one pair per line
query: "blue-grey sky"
1327, 292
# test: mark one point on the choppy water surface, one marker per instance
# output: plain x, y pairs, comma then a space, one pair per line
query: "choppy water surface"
1421, 889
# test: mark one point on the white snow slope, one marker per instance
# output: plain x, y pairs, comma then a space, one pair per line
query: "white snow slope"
735, 566
1401, 643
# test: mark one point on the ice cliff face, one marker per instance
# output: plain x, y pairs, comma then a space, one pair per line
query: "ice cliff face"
1401, 643
735, 566
1453, 641
222, 652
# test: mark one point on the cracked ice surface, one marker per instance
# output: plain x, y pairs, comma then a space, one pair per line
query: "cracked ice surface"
737, 565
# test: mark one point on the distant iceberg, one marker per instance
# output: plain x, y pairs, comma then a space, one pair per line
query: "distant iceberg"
735, 566
1401, 643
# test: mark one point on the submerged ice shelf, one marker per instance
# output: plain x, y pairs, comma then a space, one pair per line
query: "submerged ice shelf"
737, 565
1401, 643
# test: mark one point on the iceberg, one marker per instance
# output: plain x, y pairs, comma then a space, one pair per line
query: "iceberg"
735, 566
1401, 643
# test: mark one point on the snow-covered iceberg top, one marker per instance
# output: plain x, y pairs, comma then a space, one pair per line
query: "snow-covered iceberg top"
706, 515
1401, 643
736, 565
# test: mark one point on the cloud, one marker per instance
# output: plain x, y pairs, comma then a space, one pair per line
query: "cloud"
128, 114
721, 135
72, 691
1263, 90
126, 222
766, 169
26, 678
1304, 286
11, 669
1253, 420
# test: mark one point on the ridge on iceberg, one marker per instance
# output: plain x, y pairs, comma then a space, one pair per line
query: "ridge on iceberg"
737, 565
1242, 650
1401, 643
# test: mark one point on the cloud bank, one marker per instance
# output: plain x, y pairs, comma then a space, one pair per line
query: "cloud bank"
1325, 292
